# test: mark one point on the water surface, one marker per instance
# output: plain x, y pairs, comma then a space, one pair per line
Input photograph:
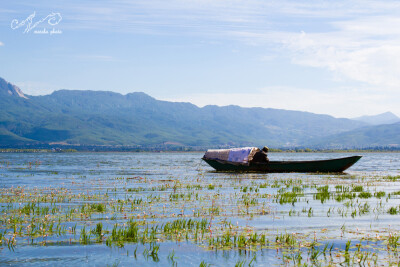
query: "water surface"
152, 189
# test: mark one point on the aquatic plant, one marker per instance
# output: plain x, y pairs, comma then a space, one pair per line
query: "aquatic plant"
392, 178
358, 188
364, 195
393, 210
204, 264
380, 194
323, 193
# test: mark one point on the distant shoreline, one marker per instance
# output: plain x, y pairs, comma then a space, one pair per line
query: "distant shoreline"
60, 151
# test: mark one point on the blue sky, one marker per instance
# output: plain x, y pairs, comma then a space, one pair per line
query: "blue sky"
332, 57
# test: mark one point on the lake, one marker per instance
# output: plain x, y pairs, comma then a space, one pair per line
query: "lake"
172, 209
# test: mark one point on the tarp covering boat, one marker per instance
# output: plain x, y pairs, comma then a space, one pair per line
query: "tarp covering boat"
243, 155
218, 154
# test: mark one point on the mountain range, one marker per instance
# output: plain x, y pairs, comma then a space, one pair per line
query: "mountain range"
73, 117
384, 118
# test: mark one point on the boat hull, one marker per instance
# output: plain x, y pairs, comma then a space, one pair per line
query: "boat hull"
330, 165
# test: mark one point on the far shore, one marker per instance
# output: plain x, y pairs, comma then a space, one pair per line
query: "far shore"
272, 150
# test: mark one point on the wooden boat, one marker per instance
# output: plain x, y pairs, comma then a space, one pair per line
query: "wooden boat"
328, 165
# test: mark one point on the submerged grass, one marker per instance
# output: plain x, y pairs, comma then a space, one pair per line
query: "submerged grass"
143, 212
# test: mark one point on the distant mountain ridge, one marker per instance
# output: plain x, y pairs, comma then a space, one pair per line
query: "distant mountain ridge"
137, 119
384, 118
7, 88
369, 136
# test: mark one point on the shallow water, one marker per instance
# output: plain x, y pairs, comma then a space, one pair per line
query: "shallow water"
166, 184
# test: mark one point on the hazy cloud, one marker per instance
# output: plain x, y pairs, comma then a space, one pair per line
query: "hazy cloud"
356, 50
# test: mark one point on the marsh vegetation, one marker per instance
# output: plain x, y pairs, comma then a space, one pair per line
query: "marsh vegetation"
171, 209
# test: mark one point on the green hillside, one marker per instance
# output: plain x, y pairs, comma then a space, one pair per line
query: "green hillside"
371, 136
107, 118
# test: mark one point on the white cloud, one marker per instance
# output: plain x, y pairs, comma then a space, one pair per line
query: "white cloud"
212, 17
356, 50
1, 43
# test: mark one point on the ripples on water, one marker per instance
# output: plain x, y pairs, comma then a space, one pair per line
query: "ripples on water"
120, 175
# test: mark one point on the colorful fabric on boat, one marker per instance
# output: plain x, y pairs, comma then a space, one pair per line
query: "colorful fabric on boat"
242, 155
220, 154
